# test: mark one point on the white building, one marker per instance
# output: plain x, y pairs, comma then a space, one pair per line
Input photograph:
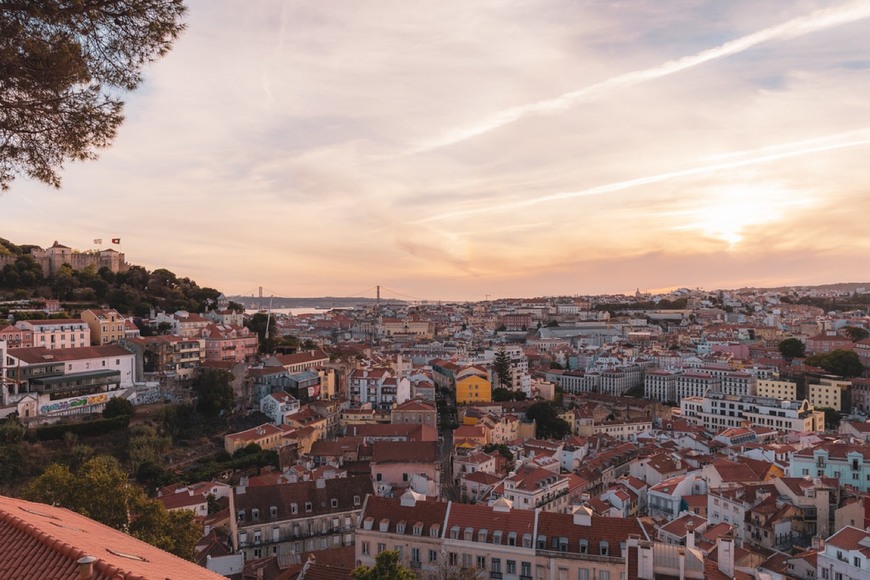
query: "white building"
846, 556
718, 411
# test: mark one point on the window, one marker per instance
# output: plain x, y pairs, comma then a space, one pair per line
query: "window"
365, 548
294, 509
605, 548
526, 569
273, 512
496, 565
307, 506
603, 575
481, 562
255, 515
453, 558
466, 560
584, 546
356, 500
433, 555
415, 554
379, 477
257, 536
511, 566
241, 515
583, 574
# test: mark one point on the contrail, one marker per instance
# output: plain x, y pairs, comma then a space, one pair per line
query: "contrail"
814, 22
622, 185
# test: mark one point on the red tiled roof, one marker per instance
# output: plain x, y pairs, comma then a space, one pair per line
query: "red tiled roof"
42, 541
40, 354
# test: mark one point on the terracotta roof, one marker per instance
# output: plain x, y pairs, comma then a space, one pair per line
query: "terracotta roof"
404, 452
40, 354
304, 495
850, 538
42, 541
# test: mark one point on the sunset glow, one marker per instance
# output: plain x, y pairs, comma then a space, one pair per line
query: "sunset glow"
453, 150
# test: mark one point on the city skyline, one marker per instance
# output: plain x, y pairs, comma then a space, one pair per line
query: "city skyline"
454, 151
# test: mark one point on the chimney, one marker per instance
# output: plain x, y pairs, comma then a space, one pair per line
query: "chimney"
725, 552
682, 564
690, 534
818, 543
86, 567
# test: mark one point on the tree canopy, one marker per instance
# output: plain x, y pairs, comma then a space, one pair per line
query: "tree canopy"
549, 424
501, 366
386, 567
792, 348
856, 333
99, 490
844, 363
64, 65
214, 391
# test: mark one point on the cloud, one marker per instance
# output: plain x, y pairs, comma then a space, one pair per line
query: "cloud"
814, 22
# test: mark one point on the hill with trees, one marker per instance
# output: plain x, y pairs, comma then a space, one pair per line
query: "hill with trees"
133, 292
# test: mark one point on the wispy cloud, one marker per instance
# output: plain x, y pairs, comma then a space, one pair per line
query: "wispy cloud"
750, 158
803, 25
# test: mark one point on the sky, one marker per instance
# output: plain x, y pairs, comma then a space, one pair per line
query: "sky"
456, 150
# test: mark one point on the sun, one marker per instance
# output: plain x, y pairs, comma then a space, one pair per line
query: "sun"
726, 215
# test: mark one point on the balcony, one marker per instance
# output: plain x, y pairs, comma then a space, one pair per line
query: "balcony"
416, 564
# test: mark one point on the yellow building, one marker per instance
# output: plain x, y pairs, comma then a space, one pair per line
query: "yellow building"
473, 389
782, 390
829, 393
107, 326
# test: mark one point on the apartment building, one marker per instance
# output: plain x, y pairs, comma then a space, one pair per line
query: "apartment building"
291, 518
660, 385
777, 389
107, 326
438, 539
717, 411
848, 462
846, 556
57, 333
831, 393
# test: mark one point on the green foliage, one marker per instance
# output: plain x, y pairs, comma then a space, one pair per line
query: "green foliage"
146, 447
96, 427
501, 395
386, 567
12, 430
856, 333
257, 323
832, 418
118, 407
65, 66
501, 367
214, 391
501, 448
12, 464
218, 464
99, 490
792, 348
844, 363
549, 424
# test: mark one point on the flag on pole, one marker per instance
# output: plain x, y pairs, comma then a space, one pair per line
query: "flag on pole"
116, 240
98, 241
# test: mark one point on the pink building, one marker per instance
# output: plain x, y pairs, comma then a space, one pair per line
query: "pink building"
229, 343
399, 465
